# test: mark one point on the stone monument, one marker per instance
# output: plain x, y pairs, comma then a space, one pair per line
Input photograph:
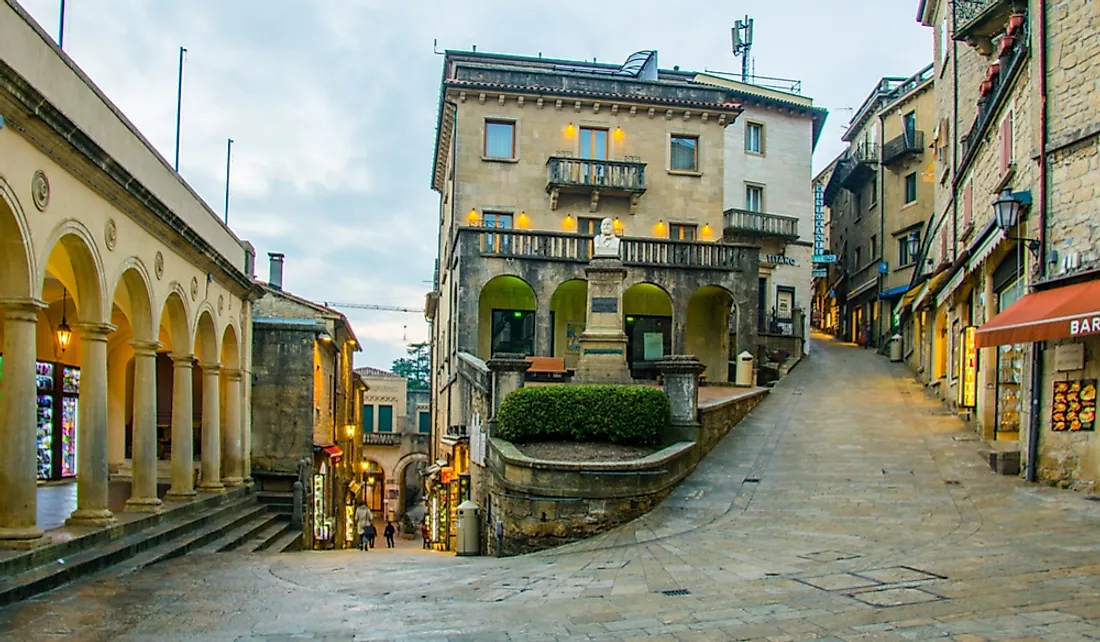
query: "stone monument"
603, 342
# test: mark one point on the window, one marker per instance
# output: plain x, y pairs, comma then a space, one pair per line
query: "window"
685, 153
942, 140
754, 138
588, 226
909, 124
1006, 143
368, 418
497, 242
945, 38
385, 418
513, 331
754, 198
500, 139
873, 247
593, 143
859, 258
678, 232
873, 188
910, 188
423, 422
903, 250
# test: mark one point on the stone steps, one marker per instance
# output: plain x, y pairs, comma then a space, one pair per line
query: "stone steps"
266, 537
287, 542
232, 538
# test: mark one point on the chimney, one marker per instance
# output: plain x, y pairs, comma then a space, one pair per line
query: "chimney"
275, 279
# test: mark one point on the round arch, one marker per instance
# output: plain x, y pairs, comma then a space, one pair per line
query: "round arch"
649, 325
175, 328
707, 329
18, 272
73, 259
133, 295
206, 344
506, 317
231, 350
568, 313
399, 472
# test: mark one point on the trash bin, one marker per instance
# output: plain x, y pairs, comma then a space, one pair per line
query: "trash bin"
467, 529
744, 369
895, 348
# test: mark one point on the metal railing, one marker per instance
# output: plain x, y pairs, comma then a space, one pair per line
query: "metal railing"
558, 246
988, 106
623, 176
381, 439
760, 224
898, 147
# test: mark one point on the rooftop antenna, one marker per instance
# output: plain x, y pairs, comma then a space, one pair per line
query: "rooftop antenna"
742, 44
435, 47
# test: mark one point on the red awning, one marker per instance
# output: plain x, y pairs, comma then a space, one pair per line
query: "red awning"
333, 451
1070, 311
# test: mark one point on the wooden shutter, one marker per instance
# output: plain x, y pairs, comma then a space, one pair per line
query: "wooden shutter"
943, 243
968, 205
1006, 142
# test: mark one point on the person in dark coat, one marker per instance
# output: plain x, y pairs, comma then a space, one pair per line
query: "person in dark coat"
371, 533
388, 532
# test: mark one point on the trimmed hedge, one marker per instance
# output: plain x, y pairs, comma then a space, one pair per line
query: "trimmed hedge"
615, 414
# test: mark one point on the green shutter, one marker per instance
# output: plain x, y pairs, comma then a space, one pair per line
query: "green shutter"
425, 423
385, 418
368, 418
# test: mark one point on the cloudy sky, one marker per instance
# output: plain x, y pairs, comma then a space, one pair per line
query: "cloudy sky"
331, 105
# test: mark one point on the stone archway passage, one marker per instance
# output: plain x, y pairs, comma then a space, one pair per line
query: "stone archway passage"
506, 317
401, 472
650, 328
568, 307
707, 330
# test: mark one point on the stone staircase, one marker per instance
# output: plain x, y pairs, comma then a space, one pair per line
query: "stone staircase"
233, 521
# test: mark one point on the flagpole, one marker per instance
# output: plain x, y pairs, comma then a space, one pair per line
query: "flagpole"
61, 28
179, 106
228, 156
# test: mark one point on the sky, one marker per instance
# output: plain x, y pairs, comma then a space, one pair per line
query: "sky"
331, 105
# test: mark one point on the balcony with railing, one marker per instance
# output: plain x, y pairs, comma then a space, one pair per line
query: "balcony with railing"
978, 21
381, 439
576, 248
595, 178
738, 222
903, 146
864, 158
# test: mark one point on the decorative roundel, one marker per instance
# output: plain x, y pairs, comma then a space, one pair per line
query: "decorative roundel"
110, 234
194, 288
158, 265
40, 190
221, 303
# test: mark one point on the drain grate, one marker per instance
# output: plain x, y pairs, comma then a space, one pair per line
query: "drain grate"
674, 592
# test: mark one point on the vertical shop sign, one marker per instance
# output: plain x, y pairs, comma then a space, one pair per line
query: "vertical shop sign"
819, 219
968, 386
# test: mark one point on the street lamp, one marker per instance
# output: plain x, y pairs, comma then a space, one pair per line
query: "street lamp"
64, 332
914, 245
1006, 211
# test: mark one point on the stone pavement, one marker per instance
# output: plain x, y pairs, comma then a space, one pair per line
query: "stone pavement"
847, 506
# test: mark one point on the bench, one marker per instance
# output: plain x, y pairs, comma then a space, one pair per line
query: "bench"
547, 369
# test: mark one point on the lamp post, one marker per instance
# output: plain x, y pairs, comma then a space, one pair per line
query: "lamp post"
913, 245
1006, 211
64, 332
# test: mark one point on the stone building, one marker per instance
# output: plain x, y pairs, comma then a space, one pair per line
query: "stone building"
531, 155
396, 430
1008, 306
305, 409
125, 304
880, 197
769, 155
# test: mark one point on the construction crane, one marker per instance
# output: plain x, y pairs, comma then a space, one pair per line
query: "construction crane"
369, 306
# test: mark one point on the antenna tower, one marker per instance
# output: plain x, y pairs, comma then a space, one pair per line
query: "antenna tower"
742, 44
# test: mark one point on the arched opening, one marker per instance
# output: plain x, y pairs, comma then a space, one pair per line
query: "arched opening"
208, 396
707, 328
939, 354
409, 473
232, 439
568, 311
506, 317
178, 430
648, 311
374, 486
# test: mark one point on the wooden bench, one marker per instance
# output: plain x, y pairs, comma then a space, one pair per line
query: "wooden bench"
547, 369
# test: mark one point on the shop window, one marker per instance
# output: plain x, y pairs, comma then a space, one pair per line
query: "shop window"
910, 188
368, 417
385, 418
648, 340
500, 139
424, 422
754, 138
513, 331
684, 153
678, 232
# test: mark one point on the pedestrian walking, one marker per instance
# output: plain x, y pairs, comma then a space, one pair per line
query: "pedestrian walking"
424, 532
388, 532
362, 520
370, 532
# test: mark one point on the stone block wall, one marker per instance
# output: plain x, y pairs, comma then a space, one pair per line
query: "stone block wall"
717, 420
282, 396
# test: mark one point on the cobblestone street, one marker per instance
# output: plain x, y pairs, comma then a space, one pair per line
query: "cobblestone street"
847, 506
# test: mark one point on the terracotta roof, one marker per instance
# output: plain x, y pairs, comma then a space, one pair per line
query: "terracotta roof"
376, 373
558, 90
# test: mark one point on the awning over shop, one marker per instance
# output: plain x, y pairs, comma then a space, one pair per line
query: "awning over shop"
893, 292
933, 286
982, 252
333, 451
866, 287
1069, 311
950, 288
911, 295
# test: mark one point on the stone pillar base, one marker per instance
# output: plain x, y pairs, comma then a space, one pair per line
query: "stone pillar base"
233, 481
603, 360
216, 487
91, 517
22, 539
144, 505
678, 431
180, 496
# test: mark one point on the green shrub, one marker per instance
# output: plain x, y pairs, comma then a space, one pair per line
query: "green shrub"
615, 414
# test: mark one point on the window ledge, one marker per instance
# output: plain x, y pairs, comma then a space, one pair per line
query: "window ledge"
910, 204
752, 153
685, 172
493, 159
966, 232
1005, 178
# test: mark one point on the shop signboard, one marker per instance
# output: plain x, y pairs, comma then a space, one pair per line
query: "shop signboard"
968, 385
1073, 406
819, 273
824, 258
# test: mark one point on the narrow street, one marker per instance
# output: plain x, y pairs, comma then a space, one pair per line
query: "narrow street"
848, 506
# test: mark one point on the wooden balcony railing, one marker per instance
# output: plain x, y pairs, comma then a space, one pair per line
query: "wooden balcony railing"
557, 246
740, 222
621, 176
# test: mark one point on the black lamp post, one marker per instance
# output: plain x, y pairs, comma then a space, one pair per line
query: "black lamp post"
1006, 211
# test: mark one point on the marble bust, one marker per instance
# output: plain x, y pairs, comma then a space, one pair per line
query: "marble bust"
606, 243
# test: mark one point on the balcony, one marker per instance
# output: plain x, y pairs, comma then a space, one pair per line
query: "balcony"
634, 251
978, 21
381, 439
760, 225
901, 147
595, 178
863, 157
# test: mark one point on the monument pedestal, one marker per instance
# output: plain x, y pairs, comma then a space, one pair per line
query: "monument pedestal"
603, 342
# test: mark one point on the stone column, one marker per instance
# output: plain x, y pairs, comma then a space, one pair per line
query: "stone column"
183, 450
544, 330
18, 410
603, 342
211, 467
680, 302
92, 478
234, 461
508, 371
681, 382
143, 487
